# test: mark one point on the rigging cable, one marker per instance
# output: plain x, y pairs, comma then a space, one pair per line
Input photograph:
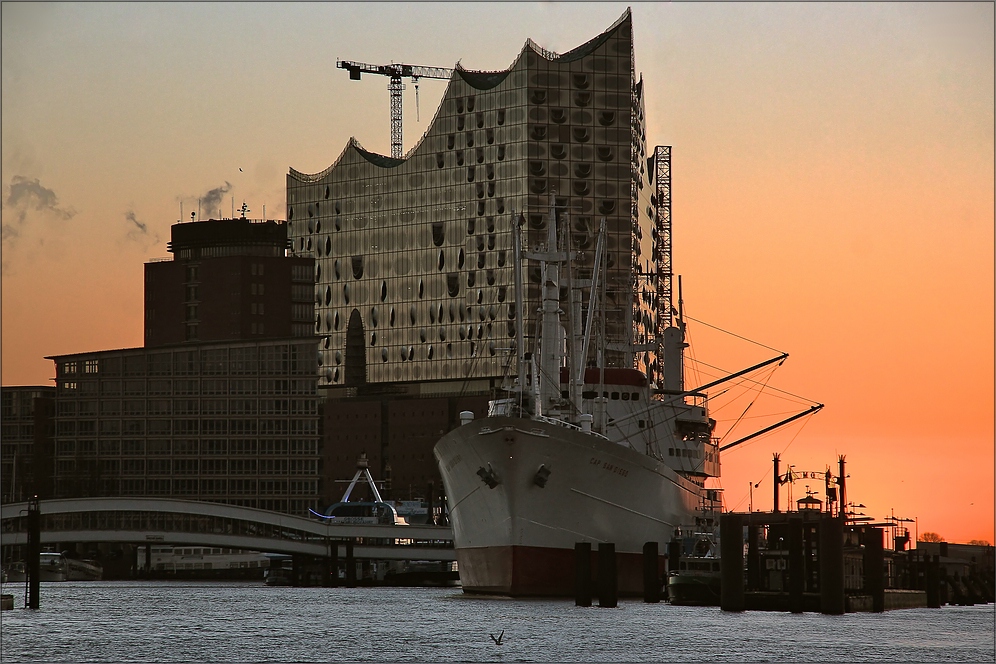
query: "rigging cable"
774, 389
757, 343
761, 389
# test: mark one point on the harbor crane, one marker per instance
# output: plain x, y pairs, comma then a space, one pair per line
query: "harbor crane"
396, 71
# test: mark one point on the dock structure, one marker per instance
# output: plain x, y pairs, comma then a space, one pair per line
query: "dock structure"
809, 560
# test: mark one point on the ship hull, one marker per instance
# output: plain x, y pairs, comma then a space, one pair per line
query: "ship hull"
553, 487
698, 590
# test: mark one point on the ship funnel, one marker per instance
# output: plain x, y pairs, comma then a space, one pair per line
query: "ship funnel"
674, 348
466, 417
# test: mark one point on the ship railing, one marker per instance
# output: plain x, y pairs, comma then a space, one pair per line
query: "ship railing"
566, 425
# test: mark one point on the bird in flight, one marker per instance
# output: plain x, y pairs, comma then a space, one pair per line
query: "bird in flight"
240, 170
497, 640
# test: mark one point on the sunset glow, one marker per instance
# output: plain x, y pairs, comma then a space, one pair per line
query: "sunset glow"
832, 178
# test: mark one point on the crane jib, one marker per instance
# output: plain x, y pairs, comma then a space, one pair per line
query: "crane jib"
396, 71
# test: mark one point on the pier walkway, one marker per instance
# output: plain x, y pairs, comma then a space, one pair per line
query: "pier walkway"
178, 522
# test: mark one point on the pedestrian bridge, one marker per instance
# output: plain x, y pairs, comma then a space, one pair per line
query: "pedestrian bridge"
174, 522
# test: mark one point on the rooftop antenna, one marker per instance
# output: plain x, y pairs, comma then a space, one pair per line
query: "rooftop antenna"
243, 210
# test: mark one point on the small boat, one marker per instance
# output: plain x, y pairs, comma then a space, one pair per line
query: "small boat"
52, 566
83, 570
202, 562
277, 574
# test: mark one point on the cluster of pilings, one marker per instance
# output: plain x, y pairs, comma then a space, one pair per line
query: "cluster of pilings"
604, 585
965, 573
813, 561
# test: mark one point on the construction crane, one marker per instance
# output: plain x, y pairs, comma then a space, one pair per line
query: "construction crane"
396, 72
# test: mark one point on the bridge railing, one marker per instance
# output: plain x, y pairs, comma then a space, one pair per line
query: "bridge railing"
150, 515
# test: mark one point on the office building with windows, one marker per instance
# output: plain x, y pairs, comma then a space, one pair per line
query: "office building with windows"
233, 422
228, 279
26, 442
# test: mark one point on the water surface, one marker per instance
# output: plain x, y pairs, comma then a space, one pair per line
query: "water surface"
169, 621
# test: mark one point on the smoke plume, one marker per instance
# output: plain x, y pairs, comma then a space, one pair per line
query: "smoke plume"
211, 201
139, 231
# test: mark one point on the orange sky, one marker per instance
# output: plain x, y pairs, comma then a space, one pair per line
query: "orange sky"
832, 178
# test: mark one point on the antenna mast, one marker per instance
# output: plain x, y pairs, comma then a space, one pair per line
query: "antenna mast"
662, 179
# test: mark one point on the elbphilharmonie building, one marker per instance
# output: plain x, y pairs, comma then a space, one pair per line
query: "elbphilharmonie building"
414, 264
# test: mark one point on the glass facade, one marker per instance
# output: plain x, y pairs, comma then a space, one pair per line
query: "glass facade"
413, 257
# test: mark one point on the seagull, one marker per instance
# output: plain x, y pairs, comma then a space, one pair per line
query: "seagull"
498, 640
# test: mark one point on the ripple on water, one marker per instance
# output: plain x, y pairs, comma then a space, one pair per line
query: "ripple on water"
149, 621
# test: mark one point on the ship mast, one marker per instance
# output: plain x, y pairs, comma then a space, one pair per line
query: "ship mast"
551, 356
582, 360
520, 344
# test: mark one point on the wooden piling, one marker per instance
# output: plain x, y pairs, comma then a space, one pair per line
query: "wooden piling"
326, 572
874, 568
831, 538
731, 562
943, 596
33, 563
334, 564
933, 584
673, 563
608, 594
651, 576
296, 570
582, 573
796, 564
350, 565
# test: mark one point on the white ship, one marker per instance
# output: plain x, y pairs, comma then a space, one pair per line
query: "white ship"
600, 455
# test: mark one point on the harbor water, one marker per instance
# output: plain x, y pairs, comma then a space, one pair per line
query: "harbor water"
170, 621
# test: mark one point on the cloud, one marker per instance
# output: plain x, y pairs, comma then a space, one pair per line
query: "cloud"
211, 201
27, 194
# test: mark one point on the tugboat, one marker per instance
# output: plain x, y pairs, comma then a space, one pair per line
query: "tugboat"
694, 579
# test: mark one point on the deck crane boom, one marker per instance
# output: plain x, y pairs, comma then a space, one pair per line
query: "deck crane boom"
396, 71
